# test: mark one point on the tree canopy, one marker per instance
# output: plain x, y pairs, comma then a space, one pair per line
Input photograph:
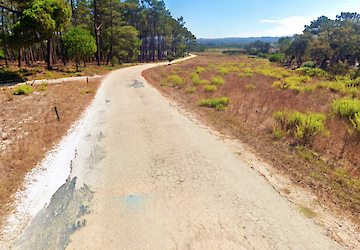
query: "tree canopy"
327, 42
128, 30
79, 44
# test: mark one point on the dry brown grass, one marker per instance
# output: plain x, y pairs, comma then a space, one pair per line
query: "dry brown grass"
327, 165
29, 128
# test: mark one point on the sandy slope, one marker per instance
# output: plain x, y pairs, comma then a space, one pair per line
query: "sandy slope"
158, 181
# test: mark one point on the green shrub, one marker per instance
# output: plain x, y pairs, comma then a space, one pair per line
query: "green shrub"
278, 132
210, 88
42, 88
304, 126
190, 90
217, 81
199, 70
250, 87
248, 70
309, 64
205, 82
218, 103
114, 60
175, 80
224, 71
249, 74
241, 75
346, 107
262, 55
195, 78
356, 121
23, 90
87, 91
276, 58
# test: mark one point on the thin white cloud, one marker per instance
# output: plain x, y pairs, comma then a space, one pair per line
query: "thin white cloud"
288, 26
269, 21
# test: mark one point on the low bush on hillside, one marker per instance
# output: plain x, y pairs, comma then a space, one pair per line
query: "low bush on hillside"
277, 58
23, 90
190, 90
346, 107
218, 103
199, 70
217, 81
304, 126
176, 80
195, 79
223, 71
210, 88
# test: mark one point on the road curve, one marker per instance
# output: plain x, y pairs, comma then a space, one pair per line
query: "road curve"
146, 177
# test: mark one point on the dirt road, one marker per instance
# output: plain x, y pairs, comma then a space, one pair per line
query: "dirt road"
149, 178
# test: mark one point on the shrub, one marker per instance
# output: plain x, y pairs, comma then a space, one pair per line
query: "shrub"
249, 74
276, 58
262, 55
304, 125
210, 88
309, 64
278, 132
23, 90
217, 81
241, 75
195, 78
218, 103
250, 87
87, 91
248, 70
205, 82
114, 61
190, 90
199, 70
176, 80
346, 107
42, 88
224, 71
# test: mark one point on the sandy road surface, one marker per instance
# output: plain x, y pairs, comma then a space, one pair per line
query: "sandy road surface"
149, 178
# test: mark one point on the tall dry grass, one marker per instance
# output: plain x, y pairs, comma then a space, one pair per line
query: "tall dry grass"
327, 165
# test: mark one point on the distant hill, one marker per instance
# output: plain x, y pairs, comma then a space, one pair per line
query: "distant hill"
233, 41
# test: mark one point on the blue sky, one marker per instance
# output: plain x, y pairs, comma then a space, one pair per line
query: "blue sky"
254, 18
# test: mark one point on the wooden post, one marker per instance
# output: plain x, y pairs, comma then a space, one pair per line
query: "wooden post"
57, 113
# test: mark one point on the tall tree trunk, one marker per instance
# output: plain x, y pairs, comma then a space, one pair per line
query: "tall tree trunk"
112, 34
49, 54
73, 13
19, 58
3, 31
31, 56
26, 54
97, 33
159, 47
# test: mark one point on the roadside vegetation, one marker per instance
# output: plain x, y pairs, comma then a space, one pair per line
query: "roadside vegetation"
305, 122
30, 127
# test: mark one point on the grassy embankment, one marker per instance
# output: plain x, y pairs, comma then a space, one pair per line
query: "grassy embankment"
303, 122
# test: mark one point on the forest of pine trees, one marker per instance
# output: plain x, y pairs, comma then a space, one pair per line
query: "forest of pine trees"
123, 31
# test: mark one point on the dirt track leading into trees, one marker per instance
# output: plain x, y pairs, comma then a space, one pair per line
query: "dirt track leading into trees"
152, 179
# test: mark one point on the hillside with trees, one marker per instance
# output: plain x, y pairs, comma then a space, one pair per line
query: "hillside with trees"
123, 31
329, 44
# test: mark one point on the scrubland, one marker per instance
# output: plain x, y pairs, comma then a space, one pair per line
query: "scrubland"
304, 122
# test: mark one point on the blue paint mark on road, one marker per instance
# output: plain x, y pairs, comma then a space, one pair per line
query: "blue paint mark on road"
133, 201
